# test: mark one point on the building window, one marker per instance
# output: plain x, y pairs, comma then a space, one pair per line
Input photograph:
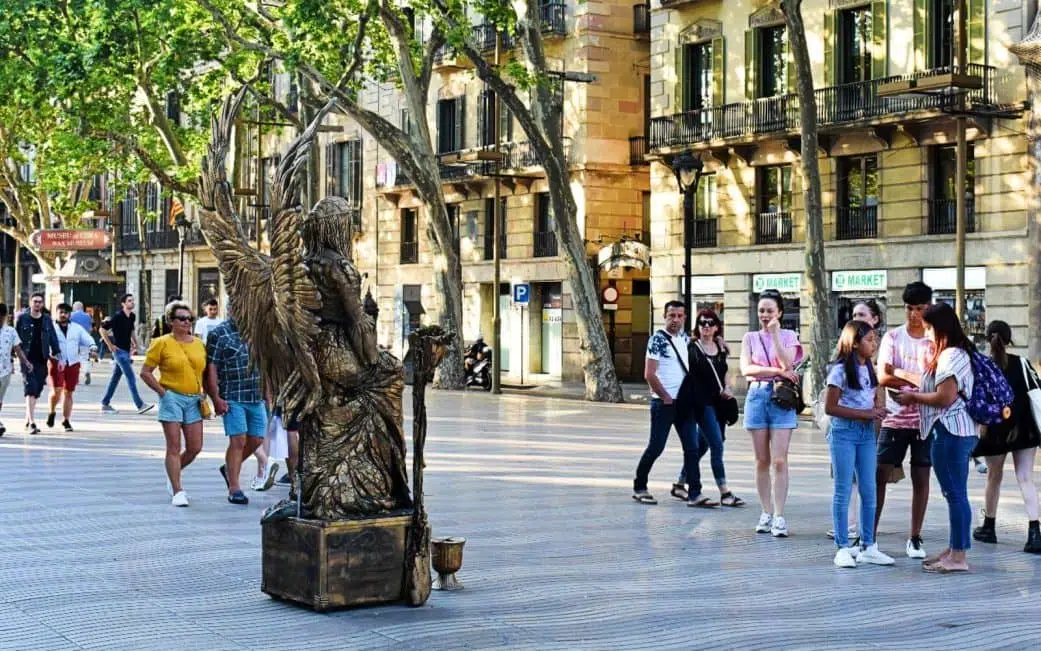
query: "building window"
453, 221
857, 198
773, 62
171, 284
344, 164
941, 32
855, 45
944, 198
451, 121
697, 76
485, 115
489, 225
545, 227
705, 221
774, 204
412, 301
409, 236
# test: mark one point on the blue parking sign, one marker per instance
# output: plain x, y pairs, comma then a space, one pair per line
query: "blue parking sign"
522, 293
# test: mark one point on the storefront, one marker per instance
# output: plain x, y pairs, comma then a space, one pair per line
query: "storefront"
943, 280
851, 287
552, 353
707, 293
790, 286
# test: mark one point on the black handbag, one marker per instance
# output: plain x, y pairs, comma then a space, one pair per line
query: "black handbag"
726, 408
787, 394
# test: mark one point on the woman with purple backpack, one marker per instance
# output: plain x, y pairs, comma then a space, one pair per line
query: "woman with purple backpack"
948, 378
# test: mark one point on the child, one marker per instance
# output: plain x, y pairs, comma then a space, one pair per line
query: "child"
9, 341
851, 402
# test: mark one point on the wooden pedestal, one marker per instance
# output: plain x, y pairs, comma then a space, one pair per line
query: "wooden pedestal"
339, 564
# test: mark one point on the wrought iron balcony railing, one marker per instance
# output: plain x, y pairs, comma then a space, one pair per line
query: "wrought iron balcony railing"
637, 150
553, 16
488, 252
705, 232
856, 223
943, 216
642, 18
546, 244
409, 252
836, 105
773, 228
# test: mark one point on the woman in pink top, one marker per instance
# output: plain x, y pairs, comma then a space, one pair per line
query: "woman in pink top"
767, 354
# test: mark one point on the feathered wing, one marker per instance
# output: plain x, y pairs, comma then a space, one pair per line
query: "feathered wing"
272, 296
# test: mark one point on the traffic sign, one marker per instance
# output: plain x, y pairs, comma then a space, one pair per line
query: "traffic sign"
522, 293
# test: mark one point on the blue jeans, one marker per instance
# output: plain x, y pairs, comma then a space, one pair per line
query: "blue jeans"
663, 418
710, 439
951, 464
124, 366
852, 446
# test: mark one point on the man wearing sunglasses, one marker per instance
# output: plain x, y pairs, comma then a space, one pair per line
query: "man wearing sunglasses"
118, 333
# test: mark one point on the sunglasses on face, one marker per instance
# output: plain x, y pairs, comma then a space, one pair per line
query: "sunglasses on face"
184, 319
706, 324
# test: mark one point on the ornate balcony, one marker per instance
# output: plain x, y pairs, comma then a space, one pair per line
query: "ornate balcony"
642, 18
943, 216
773, 228
856, 223
546, 245
637, 150
409, 252
553, 16
705, 235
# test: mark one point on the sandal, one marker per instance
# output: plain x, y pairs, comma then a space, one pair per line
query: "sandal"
643, 497
939, 568
702, 502
679, 491
238, 497
729, 499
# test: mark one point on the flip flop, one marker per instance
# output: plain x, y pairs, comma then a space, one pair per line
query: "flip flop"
702, 503
644, 498
940, 569
729, 499
238, 497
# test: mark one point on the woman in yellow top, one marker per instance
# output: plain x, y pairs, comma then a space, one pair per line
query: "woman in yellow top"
180, 358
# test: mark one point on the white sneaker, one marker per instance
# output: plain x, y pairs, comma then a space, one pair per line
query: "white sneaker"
844, 558
180, 499
779, 528
765, 521
873, 556
915, 548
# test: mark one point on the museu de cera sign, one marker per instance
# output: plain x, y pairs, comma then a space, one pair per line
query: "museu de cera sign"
63, 239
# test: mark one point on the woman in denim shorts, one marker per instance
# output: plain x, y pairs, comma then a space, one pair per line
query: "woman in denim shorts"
180, 358
767, 354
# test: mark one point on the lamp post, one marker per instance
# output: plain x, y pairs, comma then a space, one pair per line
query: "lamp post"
182, 224
688, 170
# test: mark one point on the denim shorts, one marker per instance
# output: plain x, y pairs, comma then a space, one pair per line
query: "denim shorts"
762, 413
245, 418
179, 408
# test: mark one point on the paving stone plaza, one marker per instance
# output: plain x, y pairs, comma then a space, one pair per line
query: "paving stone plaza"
92, 555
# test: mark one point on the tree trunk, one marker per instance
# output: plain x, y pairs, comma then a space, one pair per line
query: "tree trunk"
810, 174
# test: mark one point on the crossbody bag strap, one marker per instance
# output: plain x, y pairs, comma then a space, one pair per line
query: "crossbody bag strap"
188, 361
676, 350
710, 365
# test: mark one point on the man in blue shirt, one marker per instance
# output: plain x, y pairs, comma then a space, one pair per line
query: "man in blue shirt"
235, 390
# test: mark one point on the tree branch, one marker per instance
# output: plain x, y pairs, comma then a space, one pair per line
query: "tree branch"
153, 166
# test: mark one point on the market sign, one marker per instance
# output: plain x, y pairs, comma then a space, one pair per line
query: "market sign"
859, 281
784, 283
71, 240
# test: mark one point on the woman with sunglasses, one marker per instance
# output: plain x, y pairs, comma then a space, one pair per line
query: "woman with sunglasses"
180, 358
708, 371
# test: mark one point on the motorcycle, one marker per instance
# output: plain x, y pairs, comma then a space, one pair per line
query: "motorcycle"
480, 374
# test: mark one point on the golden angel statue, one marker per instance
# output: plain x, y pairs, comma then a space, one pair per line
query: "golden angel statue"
300, 311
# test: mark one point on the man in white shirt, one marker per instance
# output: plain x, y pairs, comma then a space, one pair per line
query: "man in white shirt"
204, 325
73, 342
665, 369
9, 341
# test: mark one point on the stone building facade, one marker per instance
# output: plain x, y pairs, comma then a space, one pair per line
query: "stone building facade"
722, 84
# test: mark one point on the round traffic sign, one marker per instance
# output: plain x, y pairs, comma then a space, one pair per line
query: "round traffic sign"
610, 295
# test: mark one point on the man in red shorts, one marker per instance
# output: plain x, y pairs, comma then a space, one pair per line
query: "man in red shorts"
73, 342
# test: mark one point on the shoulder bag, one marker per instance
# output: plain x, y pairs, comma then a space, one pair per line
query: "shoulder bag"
1033, 384
786, 393
725, 407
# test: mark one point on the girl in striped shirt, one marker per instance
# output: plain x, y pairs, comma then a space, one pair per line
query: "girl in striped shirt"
947, 378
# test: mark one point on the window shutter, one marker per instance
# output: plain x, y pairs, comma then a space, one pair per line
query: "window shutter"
679, 90
829, 48
719, 65
460, 122
354, 171
791, 81
977, 31
750, 52
482, 119
921, 34
330, 170
879, 39
505, 123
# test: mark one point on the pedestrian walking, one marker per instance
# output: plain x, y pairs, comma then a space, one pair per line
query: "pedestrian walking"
945, 418
74, 343
1018, 435
664, 369
713, 405
854, 405
902, 357
234, 386
9, 342
120, 337
769, 355
80, 317
40, 343
180, 359
205, 325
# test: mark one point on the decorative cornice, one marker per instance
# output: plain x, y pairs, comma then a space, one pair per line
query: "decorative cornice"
700, 31
766, 17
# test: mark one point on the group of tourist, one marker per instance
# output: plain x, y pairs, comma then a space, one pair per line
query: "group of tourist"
886, 395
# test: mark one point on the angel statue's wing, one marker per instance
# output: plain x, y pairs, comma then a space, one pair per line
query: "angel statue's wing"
272, 297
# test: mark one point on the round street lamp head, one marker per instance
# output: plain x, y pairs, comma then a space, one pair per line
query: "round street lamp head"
181, 223
687, 168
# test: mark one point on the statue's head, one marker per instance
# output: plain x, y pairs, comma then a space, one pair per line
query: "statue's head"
328, 226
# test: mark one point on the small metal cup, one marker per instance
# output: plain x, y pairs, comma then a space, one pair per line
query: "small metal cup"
446, 555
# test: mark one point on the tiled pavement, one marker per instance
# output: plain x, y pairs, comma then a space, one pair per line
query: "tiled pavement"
558, 557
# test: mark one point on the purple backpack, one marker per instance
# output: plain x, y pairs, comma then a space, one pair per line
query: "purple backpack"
991, 399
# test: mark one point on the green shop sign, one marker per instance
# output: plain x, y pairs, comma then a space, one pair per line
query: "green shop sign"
859, 281
784, 283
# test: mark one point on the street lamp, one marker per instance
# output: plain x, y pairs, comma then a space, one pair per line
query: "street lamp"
182, 224
688, 170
